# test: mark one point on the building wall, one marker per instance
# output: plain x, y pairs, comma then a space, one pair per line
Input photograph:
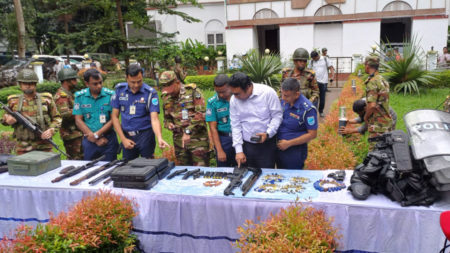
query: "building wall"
239, 41
195, 31
293, 37
358, 37
431, 32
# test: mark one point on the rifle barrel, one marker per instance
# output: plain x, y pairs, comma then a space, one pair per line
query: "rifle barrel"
78, 169
94, 172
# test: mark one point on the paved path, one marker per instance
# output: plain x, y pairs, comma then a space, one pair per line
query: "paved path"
330, 98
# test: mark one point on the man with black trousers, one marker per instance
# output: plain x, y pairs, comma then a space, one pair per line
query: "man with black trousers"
255, 113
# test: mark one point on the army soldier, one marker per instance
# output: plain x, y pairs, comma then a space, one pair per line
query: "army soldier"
447, 104
377, 115
184, 115
306, 77
138, 105
64, 101
218, 118
299, 126
39, 107
178, 69
92, 111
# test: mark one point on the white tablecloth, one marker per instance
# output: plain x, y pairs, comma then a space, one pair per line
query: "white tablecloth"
191, 221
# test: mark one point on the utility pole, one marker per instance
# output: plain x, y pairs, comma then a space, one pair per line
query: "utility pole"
20, 29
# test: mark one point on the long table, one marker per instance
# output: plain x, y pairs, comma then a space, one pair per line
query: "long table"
184, 216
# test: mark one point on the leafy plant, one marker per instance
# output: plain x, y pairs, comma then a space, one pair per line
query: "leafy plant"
262, 68
407, 74
98, 223
297, 228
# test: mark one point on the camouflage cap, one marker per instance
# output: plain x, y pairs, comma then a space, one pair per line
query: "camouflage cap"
167, 77
372, 60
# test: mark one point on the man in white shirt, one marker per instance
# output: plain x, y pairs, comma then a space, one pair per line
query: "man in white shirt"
255, 114
321, 65
444, 58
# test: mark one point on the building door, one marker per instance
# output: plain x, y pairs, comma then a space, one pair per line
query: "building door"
395, 31
269, 38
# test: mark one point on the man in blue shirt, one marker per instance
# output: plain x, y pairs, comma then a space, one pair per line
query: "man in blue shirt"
218, 118
92, 111
138, 105
299, 126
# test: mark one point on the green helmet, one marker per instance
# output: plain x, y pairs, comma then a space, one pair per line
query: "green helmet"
27, 76
300, 54
66, 74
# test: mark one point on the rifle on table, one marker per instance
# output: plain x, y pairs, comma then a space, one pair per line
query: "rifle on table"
78, 169
67, 169
106, 174
235, 180
251, 180
30, 125
176, 173
98, 170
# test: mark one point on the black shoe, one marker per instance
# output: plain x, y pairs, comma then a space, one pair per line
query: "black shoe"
328, 90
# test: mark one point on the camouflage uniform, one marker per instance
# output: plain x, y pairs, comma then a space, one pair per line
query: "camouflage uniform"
27, 140
69, 132
447, 104
307, 80
196, 152
377, 91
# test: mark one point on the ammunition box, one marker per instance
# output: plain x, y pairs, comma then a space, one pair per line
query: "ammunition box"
138, 185
33, 163
129, 173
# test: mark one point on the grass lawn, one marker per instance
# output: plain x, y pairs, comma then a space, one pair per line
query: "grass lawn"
167, 135
428, 99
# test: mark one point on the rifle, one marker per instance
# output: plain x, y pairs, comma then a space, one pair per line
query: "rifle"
78, 169
190, 173
176, 173
30, 125
67, 169
235, 180
251, 180
96, 171
106, 174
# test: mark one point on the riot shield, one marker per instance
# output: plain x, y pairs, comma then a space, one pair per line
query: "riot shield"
429, 132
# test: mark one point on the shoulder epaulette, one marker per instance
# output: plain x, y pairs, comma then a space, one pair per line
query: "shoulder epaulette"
108, 91
81, 92
310, 71
13, 96
191, 86
47, 94
121, 85
212, 99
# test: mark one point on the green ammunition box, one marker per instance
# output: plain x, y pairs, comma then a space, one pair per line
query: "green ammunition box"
33, 163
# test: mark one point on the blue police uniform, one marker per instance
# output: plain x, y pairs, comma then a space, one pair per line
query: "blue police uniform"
135, 112
297, 120
218, 110
96, 113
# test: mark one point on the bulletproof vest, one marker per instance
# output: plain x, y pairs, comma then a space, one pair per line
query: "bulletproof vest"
304, 85
21, 133
391, 170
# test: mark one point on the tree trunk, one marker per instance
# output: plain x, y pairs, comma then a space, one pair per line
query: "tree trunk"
20, 29
122, 30
66, 29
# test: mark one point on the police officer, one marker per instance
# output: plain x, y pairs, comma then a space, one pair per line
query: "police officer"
306, 77
39, 107
64, 101
184, 115
299, 126
138, 105
218, 118
92, 111
377, 115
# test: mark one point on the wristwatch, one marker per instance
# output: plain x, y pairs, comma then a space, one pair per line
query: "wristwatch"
187, 131
95, 136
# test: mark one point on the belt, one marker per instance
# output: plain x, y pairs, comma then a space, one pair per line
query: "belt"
225, 134
134, 133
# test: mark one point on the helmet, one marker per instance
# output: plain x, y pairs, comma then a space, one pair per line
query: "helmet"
167, 77
300, 54
66, 74
27, 76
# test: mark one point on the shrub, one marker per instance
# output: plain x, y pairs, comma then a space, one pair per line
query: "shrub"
98, 223
261, 68
5, 92
443, 79
205, 82
297, 228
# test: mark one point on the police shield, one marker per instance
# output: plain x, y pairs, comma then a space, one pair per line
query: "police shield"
429, 132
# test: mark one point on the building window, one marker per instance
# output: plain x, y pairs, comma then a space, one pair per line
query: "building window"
265, 14
397, 6
215, 39
328, 10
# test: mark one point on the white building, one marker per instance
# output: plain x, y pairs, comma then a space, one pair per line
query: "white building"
345, 27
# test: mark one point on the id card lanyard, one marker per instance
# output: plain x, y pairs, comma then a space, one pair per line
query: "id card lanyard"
102, 116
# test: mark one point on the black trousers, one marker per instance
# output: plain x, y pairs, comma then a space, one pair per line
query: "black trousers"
261, 155
322, 94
